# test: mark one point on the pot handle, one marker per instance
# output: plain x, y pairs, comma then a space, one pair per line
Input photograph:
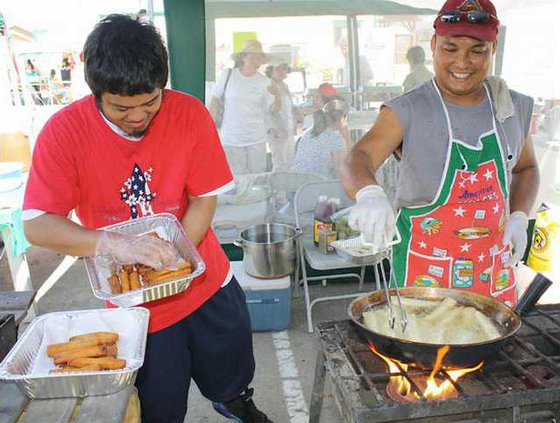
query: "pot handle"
532, 294
239, 243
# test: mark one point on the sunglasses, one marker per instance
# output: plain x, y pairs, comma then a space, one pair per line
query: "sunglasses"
472, 16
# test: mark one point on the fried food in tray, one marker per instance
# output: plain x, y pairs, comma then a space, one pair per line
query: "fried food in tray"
88, 352
141, 276
132, 277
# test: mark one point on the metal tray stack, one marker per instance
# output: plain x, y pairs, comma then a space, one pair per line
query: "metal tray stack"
356, 252
20, 365
169, 228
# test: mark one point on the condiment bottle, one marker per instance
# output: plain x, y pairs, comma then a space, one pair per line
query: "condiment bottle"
321, 218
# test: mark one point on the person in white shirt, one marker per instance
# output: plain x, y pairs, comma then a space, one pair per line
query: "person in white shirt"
282, 123
249, 97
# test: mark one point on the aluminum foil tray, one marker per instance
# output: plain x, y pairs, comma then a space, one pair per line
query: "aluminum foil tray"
28, 366
356, 252
169, 228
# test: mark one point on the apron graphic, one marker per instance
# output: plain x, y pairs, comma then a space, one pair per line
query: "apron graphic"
456, 241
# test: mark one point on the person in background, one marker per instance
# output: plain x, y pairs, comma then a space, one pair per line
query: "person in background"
282, 122
135, 149
34, 78
66, 67
366, 74
31, 68
322, 148
468, 174
419, 73
248, 99
324, 93
56, 88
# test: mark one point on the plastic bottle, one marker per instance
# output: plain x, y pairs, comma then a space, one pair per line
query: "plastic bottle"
321, 218
323, 210
334, 204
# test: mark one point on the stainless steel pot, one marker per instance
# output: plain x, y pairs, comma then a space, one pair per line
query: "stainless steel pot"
269, 250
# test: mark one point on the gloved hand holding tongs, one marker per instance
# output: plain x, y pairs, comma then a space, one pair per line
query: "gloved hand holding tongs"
373, 216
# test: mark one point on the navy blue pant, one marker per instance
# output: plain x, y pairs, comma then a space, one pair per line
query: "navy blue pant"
213, 346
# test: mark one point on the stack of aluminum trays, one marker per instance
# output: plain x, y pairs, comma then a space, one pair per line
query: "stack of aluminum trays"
27, 363
169, 228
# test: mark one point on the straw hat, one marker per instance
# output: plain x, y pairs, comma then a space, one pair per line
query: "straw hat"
251, 47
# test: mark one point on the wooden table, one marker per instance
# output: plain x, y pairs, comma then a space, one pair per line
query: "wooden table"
121, 407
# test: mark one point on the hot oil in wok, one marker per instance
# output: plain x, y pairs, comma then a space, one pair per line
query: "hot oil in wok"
433, 322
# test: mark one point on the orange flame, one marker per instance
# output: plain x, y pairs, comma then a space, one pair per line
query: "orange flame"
433, 389
395, 366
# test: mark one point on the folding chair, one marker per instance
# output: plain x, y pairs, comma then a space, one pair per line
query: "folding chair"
284, 185
304, 207
249, 204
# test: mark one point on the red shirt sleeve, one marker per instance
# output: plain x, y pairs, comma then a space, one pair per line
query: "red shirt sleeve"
52, 185
209, 168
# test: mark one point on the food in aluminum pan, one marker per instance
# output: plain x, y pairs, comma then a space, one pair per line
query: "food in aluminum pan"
167, 227
132, 277
29, 366
89, 351
357, 252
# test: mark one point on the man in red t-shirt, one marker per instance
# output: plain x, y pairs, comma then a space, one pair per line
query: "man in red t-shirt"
134, 149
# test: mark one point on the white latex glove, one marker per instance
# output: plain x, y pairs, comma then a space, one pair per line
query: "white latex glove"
373, 216
132, 249
515, 233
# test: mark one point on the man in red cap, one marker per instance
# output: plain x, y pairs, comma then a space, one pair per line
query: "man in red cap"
467, 172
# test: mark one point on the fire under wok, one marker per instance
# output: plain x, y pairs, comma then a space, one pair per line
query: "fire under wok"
506, 320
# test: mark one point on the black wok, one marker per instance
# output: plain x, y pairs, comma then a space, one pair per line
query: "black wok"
507, 320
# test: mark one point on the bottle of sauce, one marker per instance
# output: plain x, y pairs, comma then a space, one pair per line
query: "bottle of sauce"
324, 208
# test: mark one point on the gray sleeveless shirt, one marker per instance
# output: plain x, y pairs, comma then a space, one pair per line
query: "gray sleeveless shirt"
425, 140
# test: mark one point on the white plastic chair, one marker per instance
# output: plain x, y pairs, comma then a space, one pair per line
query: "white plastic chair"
304, 207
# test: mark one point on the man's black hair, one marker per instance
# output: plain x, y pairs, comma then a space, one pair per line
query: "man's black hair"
125, 56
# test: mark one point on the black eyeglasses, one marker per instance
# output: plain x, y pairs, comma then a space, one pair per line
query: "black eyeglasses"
472, 16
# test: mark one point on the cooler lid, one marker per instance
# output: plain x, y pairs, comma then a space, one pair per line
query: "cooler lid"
254, 284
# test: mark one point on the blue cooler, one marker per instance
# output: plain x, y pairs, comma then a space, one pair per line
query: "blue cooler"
268, 300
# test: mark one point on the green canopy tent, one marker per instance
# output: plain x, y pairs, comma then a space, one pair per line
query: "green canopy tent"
276, 8
190, 22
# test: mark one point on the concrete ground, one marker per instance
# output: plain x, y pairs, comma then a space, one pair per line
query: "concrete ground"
285, 360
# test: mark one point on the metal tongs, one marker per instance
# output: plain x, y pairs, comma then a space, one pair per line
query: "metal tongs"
387, 286
390, 312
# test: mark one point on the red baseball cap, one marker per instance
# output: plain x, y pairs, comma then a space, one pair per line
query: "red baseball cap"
471, 18
327, 90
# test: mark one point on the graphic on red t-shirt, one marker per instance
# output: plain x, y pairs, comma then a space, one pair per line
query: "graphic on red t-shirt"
136, 192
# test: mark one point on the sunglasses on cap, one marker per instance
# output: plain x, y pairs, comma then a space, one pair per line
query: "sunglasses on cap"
472, 16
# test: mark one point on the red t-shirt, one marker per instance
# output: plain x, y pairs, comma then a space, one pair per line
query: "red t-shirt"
80, 163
